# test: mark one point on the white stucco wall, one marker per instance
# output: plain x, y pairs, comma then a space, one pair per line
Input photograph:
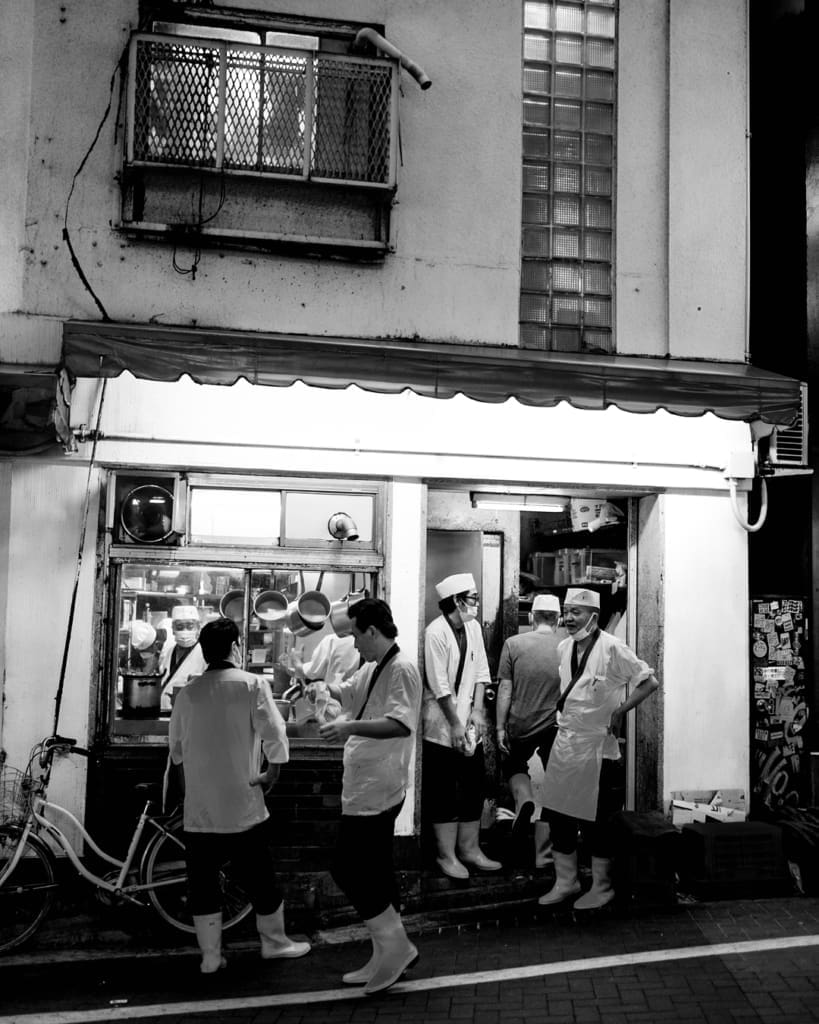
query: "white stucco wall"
45, 517
708, 179
705, 669
454, 275
682, 179
16, 44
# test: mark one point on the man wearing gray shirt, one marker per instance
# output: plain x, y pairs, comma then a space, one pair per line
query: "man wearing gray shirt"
526, 716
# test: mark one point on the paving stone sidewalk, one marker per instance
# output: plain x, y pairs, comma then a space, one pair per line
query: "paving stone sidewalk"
771, 987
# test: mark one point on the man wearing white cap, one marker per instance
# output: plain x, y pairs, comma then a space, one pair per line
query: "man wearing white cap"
454, 783
526, 715
181, 657
581, 785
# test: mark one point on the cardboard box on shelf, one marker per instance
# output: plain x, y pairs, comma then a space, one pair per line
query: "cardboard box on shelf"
725, 805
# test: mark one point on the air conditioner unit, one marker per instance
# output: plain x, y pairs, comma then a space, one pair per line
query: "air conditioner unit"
788, 447
146, 508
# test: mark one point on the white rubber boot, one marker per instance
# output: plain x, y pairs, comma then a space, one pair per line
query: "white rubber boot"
363, 974
209, 937
566, 883
601, 891
543, 845
446, 832
469, 851
394, 951
275, 944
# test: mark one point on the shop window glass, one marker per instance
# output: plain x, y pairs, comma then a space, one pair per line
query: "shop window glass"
220, 515
150, 636
307, 515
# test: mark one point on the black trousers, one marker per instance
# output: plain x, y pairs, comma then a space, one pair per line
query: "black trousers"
454, 785
363, 867
597, 834
250, 865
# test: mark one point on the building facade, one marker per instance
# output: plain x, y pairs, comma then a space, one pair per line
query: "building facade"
268, 272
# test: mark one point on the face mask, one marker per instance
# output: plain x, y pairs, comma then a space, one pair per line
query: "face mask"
468, 611
185, 637
587, 630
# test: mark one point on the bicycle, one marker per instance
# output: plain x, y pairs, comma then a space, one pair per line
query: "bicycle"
28, 862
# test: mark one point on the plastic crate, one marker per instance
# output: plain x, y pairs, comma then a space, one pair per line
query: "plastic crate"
645, 862
733, 858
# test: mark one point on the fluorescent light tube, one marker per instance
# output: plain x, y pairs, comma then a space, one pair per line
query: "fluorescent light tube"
516, 502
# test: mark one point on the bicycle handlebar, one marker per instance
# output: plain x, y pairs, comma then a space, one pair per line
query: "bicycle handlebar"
52, 744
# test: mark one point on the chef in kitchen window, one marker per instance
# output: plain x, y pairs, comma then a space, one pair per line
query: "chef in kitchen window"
181, 657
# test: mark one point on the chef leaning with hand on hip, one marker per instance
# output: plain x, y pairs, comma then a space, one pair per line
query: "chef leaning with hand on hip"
581, 786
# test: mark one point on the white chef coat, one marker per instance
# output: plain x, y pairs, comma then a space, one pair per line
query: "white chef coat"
572, 781
334, 656
376, 771
221, 721
441, 657
193, 665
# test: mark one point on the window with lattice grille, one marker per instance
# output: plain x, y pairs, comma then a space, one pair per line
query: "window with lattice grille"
287, 111
569, 91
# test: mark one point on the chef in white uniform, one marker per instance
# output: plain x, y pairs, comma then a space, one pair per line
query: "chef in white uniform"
454, 780
597, 671
181, 658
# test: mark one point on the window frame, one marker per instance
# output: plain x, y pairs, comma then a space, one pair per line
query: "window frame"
327, 556
579, 317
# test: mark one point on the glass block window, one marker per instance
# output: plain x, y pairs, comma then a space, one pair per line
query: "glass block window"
569, 92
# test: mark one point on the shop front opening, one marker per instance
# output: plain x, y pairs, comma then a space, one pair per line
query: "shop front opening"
517, 547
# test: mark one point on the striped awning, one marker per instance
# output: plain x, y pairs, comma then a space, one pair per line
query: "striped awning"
686, 387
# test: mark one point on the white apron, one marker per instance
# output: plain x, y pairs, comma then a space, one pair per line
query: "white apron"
572, 782
193, 665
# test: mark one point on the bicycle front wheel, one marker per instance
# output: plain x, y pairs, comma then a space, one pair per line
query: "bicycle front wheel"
163, 869
27, 893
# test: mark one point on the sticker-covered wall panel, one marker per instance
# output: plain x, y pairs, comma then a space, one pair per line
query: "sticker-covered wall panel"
779, 713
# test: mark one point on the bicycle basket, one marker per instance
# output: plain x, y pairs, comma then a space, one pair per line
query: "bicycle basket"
15, 795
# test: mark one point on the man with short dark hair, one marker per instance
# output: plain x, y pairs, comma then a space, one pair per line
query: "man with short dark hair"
529, 674
221, 722
381, 704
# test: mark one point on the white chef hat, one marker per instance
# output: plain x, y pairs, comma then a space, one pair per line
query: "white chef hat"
142, 633
546, 603
185, 611
581, 596
460, 583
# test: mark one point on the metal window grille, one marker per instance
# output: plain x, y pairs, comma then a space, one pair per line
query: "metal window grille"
569, 93
243, 108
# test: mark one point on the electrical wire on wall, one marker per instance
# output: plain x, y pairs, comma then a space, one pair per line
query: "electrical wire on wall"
118, 70
66, 236
196, 229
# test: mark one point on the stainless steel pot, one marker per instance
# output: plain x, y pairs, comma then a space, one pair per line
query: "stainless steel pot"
141, 694
307, 613
271, 607
339, 614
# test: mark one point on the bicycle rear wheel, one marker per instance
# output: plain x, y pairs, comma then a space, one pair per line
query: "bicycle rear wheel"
163, 868
27, 893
